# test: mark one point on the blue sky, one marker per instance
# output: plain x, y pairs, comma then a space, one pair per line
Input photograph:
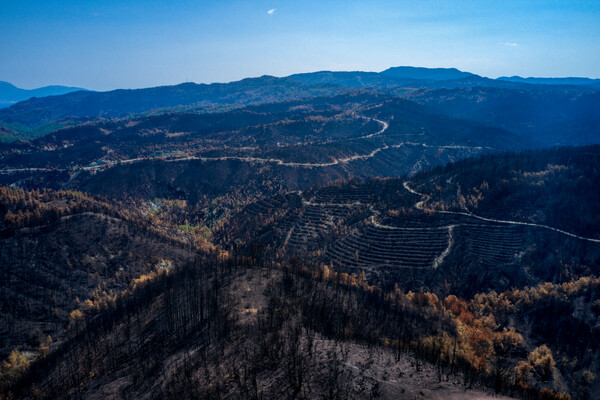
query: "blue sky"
104, 45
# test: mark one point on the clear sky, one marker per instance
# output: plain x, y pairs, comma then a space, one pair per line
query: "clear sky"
104, 44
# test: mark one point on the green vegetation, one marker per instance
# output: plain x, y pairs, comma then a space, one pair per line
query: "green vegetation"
203, 231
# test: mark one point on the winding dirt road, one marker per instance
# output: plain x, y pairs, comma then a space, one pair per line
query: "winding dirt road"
419, 205
249, 159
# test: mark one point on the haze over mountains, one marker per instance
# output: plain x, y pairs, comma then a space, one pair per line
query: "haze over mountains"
345, 235
553, 81
10, 94
33, 114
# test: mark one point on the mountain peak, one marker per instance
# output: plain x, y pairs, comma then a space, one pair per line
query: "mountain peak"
437, 74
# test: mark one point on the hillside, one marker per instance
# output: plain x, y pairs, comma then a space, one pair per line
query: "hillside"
178, 337
492, 223
256, 150
118, 103
215, 328
545, 115
384, 288
62, 250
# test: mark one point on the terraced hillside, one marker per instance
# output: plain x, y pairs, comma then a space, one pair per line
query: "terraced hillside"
378, 246
447, 238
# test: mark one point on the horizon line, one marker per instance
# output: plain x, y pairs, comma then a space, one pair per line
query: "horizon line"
295, 73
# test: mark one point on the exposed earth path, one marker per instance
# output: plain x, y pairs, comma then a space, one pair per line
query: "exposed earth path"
419, 205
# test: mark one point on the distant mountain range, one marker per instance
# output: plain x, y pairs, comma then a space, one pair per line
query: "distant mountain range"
36, 116
433, 78
552, 81
10, 94
426, 73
